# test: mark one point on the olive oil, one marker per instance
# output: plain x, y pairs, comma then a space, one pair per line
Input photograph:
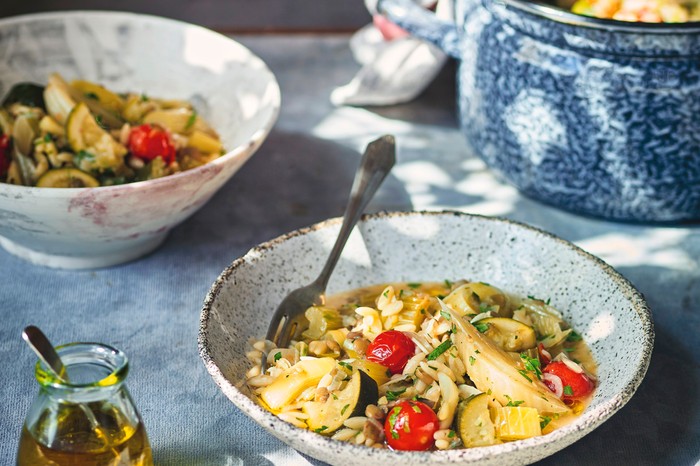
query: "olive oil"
126, 447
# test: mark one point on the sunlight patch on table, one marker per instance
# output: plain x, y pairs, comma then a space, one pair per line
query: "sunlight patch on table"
658, 247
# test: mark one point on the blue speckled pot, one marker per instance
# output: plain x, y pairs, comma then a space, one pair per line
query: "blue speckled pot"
594, 116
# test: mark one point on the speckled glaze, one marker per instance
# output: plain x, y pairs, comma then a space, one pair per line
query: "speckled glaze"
594, 116
97, 227
431, 246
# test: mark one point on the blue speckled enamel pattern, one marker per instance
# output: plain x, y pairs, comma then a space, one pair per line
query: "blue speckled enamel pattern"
596, 117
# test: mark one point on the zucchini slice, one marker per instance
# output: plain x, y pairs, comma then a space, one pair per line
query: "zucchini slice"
509, 334
66, 178
178, 120
82, 129
108, 99
302, 375
473, 422
328, 416
29, 94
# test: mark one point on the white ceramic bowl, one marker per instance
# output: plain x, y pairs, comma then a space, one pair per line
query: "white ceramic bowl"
97, 227
432, 246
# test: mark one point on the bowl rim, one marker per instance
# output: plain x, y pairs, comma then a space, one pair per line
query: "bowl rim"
561, 15
239, 151
589, 420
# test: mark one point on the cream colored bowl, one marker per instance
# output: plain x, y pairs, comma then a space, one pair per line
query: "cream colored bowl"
97, 227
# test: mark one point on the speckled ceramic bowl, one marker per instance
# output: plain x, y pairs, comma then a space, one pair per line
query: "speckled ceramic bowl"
594, 116
97, 227
432, 246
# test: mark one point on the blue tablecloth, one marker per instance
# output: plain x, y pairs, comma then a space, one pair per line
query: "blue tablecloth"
302, 174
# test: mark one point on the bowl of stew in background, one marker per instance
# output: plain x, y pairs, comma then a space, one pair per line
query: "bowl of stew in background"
595, 116
421, 247
228, 86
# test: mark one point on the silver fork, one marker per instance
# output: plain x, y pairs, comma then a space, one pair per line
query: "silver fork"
375, 165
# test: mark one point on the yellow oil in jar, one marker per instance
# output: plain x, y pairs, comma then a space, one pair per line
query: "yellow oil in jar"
75, 441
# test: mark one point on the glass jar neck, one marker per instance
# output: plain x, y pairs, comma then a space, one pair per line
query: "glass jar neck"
92, 371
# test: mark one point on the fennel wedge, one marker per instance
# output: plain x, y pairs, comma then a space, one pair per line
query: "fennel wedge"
493, 371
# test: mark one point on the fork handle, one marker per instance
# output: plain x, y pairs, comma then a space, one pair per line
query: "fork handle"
375, 165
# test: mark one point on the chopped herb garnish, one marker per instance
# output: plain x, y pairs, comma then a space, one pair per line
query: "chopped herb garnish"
448, 284
568, 390
278, 356
569, 350
446, 315
335, 397
514, 403
92, 95
100, 123
544, 420
400, 293
83, 155
144, 98
392, 421
416, 408
393, 396
413, 285
441, 348
320, 429
483, 307
342, 411
345, 365
386, 294
440, 296
481, 327
532, 364
472, 360
422, 311
47, 138
484, 283
191, 120
524, 374
477, 351
573, 336
451, 434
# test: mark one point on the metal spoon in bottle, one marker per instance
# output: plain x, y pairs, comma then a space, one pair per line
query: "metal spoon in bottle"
43, 348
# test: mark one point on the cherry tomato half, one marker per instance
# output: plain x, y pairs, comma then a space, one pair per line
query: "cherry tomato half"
576, 385
148, 142
410, 425
5, 157
392, 349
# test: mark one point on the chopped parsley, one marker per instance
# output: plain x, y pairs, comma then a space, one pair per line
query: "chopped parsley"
483, 307
345, 408
477, 351
441, 348
345, 365
524, 374
514, 403
278, 356
416, 408
544, 420
568, 390
100, 123
448, 284
144, 98
335, 397
414, 285
451, 434
481, 327
532, 364
574, 336
484, 283
92, 95
191, 120
392, 421
472, 360
386, 293
320, 429
83, 155
539, 299
394, 395
446, 315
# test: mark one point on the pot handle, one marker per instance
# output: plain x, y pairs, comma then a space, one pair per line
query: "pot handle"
422, 23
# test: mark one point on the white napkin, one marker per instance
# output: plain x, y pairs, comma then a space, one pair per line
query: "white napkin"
394, 71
